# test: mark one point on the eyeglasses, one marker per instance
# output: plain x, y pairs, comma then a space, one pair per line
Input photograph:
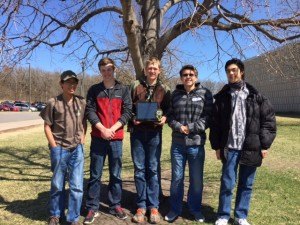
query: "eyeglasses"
234, 70
188, 75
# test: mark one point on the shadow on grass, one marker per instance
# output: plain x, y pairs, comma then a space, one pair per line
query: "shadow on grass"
129, 205
19, 164
34, 209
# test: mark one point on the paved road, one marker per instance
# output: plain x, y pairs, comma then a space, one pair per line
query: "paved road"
6, 117
10, 121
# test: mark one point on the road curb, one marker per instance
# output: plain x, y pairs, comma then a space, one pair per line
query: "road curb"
19, 128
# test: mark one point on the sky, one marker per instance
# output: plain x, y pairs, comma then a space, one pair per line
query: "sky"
195, 47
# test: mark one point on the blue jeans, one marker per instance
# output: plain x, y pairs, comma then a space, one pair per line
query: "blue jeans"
66, 163
146, 152
228, 181
195, 156
100, 148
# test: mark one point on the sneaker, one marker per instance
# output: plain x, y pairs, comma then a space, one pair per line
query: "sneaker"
118, 212
221, 221
154, 216
89, 219
53, 220
171, 216
139, 217
241, 222
199, 217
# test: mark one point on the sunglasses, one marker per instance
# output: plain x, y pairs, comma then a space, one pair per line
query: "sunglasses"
188, 75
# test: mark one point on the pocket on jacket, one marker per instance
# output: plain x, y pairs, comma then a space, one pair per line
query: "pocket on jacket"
251, 158
252, 142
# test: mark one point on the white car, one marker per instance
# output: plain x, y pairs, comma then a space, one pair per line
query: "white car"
25, 107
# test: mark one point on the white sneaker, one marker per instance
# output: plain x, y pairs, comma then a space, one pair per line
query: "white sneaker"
221, 221
241, 222
171, 216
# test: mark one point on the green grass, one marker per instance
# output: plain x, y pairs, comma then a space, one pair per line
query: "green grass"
25, 177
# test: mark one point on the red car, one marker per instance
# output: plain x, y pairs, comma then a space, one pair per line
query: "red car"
10, 107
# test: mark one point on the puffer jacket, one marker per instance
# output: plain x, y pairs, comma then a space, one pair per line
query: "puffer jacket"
260, 125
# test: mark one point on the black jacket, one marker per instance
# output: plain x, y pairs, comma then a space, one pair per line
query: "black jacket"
260, 125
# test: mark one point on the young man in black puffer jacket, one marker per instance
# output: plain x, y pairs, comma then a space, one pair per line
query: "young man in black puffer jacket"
243, 127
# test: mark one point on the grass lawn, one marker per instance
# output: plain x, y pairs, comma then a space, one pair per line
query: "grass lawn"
25, 179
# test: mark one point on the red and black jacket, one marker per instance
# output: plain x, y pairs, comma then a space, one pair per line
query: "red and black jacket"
108, 106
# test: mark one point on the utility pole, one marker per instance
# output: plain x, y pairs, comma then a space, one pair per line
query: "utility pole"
82, 79
29, 71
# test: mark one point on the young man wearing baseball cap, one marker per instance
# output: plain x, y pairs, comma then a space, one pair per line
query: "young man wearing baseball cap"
65, 128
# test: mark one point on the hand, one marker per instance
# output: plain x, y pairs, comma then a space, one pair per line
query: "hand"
136, 122
107, 134
264, 153
184, 130
162, 121
218, 154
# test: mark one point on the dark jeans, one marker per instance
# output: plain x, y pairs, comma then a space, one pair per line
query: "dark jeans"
99, 149
146, 152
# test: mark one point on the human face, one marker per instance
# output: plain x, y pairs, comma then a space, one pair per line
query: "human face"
107, 72
151, 72
69, 86
234, 74
188, 78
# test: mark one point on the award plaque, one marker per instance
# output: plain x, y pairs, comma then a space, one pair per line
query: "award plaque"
148, 111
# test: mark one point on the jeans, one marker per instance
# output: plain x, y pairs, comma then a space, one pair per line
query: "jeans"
146, 152
195, 156
99, 149
66, 163
228, 181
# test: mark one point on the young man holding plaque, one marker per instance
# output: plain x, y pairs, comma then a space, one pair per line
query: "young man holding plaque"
189, 114
146, 138
243, 127
108, 109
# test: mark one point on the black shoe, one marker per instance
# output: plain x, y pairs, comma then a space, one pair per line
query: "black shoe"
89, 219
118, 212
53, 220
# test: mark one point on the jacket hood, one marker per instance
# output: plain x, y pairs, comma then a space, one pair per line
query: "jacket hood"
226, 89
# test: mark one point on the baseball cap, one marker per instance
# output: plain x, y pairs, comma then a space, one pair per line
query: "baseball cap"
68, 74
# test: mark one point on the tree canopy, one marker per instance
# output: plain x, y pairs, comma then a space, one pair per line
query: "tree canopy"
136, 30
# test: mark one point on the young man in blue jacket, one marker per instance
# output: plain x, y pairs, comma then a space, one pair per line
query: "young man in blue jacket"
242, 130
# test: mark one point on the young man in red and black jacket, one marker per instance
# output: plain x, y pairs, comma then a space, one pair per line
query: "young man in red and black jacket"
108, 110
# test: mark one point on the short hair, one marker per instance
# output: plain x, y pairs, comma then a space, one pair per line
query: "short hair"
189, 67
106, 61
237, 62
152, 60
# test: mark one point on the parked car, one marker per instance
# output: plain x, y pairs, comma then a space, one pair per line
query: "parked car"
9, 107
25, 107
40, 106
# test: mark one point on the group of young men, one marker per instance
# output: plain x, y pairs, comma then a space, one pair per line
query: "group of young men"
242, 128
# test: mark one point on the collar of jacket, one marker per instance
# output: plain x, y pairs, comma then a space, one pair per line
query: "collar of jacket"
144, 82
226, 90
180, 87
117, 85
